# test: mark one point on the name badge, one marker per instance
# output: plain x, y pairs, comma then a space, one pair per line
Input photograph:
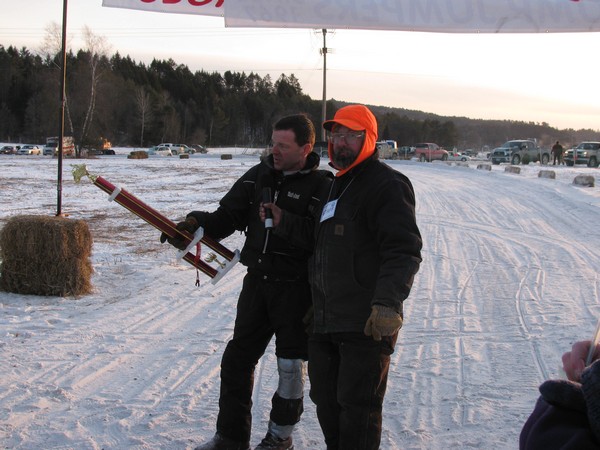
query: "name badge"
328, 210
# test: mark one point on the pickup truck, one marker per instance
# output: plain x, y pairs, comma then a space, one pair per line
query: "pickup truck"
428, 151
585, 153
514, 151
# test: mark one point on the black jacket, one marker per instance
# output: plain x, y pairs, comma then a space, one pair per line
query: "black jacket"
566, 416
264, 253
368, 252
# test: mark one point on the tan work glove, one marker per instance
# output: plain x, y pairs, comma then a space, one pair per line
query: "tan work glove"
383, 321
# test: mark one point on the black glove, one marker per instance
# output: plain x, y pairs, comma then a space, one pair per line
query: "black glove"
564, 393
190, 224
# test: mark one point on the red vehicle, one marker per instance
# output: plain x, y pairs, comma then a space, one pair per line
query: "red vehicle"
428, 151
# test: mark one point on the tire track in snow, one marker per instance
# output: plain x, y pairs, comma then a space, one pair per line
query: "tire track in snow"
491, 327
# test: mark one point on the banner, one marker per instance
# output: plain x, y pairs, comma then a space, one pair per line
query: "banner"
448, 16
202, 7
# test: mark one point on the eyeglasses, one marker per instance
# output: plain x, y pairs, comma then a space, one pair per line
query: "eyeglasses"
350, 138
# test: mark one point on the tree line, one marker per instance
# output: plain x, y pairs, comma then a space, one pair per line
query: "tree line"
135, 104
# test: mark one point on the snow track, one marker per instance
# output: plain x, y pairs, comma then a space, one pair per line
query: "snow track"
509, 280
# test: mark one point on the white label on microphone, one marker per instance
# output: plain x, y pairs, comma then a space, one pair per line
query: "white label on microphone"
328, 210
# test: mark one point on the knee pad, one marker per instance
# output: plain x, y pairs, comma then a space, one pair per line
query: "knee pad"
291, 378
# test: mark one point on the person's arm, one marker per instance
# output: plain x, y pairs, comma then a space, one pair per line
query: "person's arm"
392, 218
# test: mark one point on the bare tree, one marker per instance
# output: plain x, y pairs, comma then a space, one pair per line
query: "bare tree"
97, 48
51, 49
144, 110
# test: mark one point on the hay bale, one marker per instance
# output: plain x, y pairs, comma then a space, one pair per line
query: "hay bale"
45, 256
184, 156
138, 154
584, 180
547, 174
512, 169
484, 166
226, 156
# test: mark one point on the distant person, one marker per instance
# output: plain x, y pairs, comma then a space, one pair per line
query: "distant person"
567, 415
367, 252
557, 153
275, 295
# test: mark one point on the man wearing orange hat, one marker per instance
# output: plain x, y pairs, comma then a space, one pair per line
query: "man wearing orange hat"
366, 254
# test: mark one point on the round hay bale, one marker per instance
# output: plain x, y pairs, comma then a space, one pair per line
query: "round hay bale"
484, 166
184, 156
43, 255
547, 174
226, 156
512, 169
138, 154
584, 180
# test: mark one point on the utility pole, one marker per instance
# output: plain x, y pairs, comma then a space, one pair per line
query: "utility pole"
61, 128
324, 106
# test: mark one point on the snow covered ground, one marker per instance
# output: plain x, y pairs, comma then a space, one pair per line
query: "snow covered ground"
509, 280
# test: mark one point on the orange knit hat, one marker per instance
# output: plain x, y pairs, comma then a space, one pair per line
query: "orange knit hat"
356, 118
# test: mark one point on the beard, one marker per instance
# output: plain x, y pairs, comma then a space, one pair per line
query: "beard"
343, 157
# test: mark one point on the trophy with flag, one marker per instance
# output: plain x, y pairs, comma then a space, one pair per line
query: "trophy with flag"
163, 224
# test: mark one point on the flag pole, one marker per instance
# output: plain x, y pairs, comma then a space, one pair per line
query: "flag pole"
61, 130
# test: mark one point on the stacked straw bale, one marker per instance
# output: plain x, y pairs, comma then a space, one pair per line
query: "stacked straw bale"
49, 256
138, 154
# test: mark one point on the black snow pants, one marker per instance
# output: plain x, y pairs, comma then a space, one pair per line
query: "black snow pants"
265, 308
348, 376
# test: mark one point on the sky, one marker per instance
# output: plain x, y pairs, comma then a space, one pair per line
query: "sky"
537, 78
505, 287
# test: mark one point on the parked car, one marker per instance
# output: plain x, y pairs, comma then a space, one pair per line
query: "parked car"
162, 150
29, 150
97, 151
199, 148
428, 151
8, 150
456, 156
585, 153
386, 150
182, 149
406, 152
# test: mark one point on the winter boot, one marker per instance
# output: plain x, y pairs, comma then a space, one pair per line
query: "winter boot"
219, 442
272, 442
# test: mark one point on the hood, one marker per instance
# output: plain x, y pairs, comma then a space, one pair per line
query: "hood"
356, 118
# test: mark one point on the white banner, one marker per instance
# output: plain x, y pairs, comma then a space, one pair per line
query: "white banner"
202, 7
448, 16
451, 16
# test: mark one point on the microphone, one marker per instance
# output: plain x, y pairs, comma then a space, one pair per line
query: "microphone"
267, 182
266, 198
